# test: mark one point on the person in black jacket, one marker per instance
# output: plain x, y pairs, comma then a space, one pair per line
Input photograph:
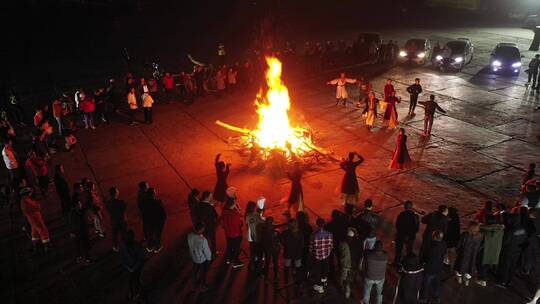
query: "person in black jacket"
132, 254
410, 281
205, 212
370, 221
154, 217
62, 189
269, 238
433, 267
293, 248
117, 212
436, 220
451, 237
414, 90
79, 230
407, 225
193, 201
515, 238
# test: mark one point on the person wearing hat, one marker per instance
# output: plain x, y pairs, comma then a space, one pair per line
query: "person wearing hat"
349, 255
31, 209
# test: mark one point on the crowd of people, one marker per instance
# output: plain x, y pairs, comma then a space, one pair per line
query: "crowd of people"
497, 244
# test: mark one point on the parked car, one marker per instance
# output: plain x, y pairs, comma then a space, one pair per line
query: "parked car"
454, 55
505, 57
417, 50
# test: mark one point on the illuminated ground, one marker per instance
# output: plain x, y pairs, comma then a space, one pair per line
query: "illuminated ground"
477, 151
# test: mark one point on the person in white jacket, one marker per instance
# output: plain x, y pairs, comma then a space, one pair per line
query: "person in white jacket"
341, 90
147, 103
132, 103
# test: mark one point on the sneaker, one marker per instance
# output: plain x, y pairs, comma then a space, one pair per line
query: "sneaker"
149, 250
459, 279
481, 283
466, 282
115, 249
227, 262
318, 288
101, 235
238, 265
347, 292
157, 250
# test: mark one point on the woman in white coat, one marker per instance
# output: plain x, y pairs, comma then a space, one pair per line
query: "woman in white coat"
341, 89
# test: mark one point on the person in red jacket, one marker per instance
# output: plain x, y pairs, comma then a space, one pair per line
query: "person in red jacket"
231, 220
168, 84
88, 106
31, 209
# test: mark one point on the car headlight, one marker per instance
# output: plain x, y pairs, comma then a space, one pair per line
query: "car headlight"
496, 63
439, 57
516, 65
458, 59
402, 54
421, 55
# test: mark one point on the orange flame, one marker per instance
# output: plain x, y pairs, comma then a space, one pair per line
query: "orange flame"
274, 130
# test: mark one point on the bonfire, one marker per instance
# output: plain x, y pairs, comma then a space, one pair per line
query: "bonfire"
274, 132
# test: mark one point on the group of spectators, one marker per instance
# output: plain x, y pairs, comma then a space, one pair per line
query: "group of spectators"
495, 245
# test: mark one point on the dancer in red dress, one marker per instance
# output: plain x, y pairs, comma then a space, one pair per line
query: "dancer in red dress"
296, 196
349, 184
401, 159
222, 173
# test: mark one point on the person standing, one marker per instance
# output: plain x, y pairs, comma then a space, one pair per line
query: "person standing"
320, 246
254, 218
62, 189
232, 225
341, 89
401, 159
429, 112
390, 118
388, 89
407, 226
433, 268
168, 85
206, 214
132, 254
147, 102
222, 173
12, 165
88, 106
232, 74
514, 239
437, 220
57, 114
192, 202
376, 261
452, 236
201, 256
410, 280
221, 78
414, 90
349, 256
155, 216
371, 221
533, 71
293, 246
132, 103
349, 184
467, 251
31, 208
296, 195
493, 233
79, 230
307, 231
270, 246
117, 212
94, 207
370, 111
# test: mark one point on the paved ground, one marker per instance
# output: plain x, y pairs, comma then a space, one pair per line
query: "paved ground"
477, 151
